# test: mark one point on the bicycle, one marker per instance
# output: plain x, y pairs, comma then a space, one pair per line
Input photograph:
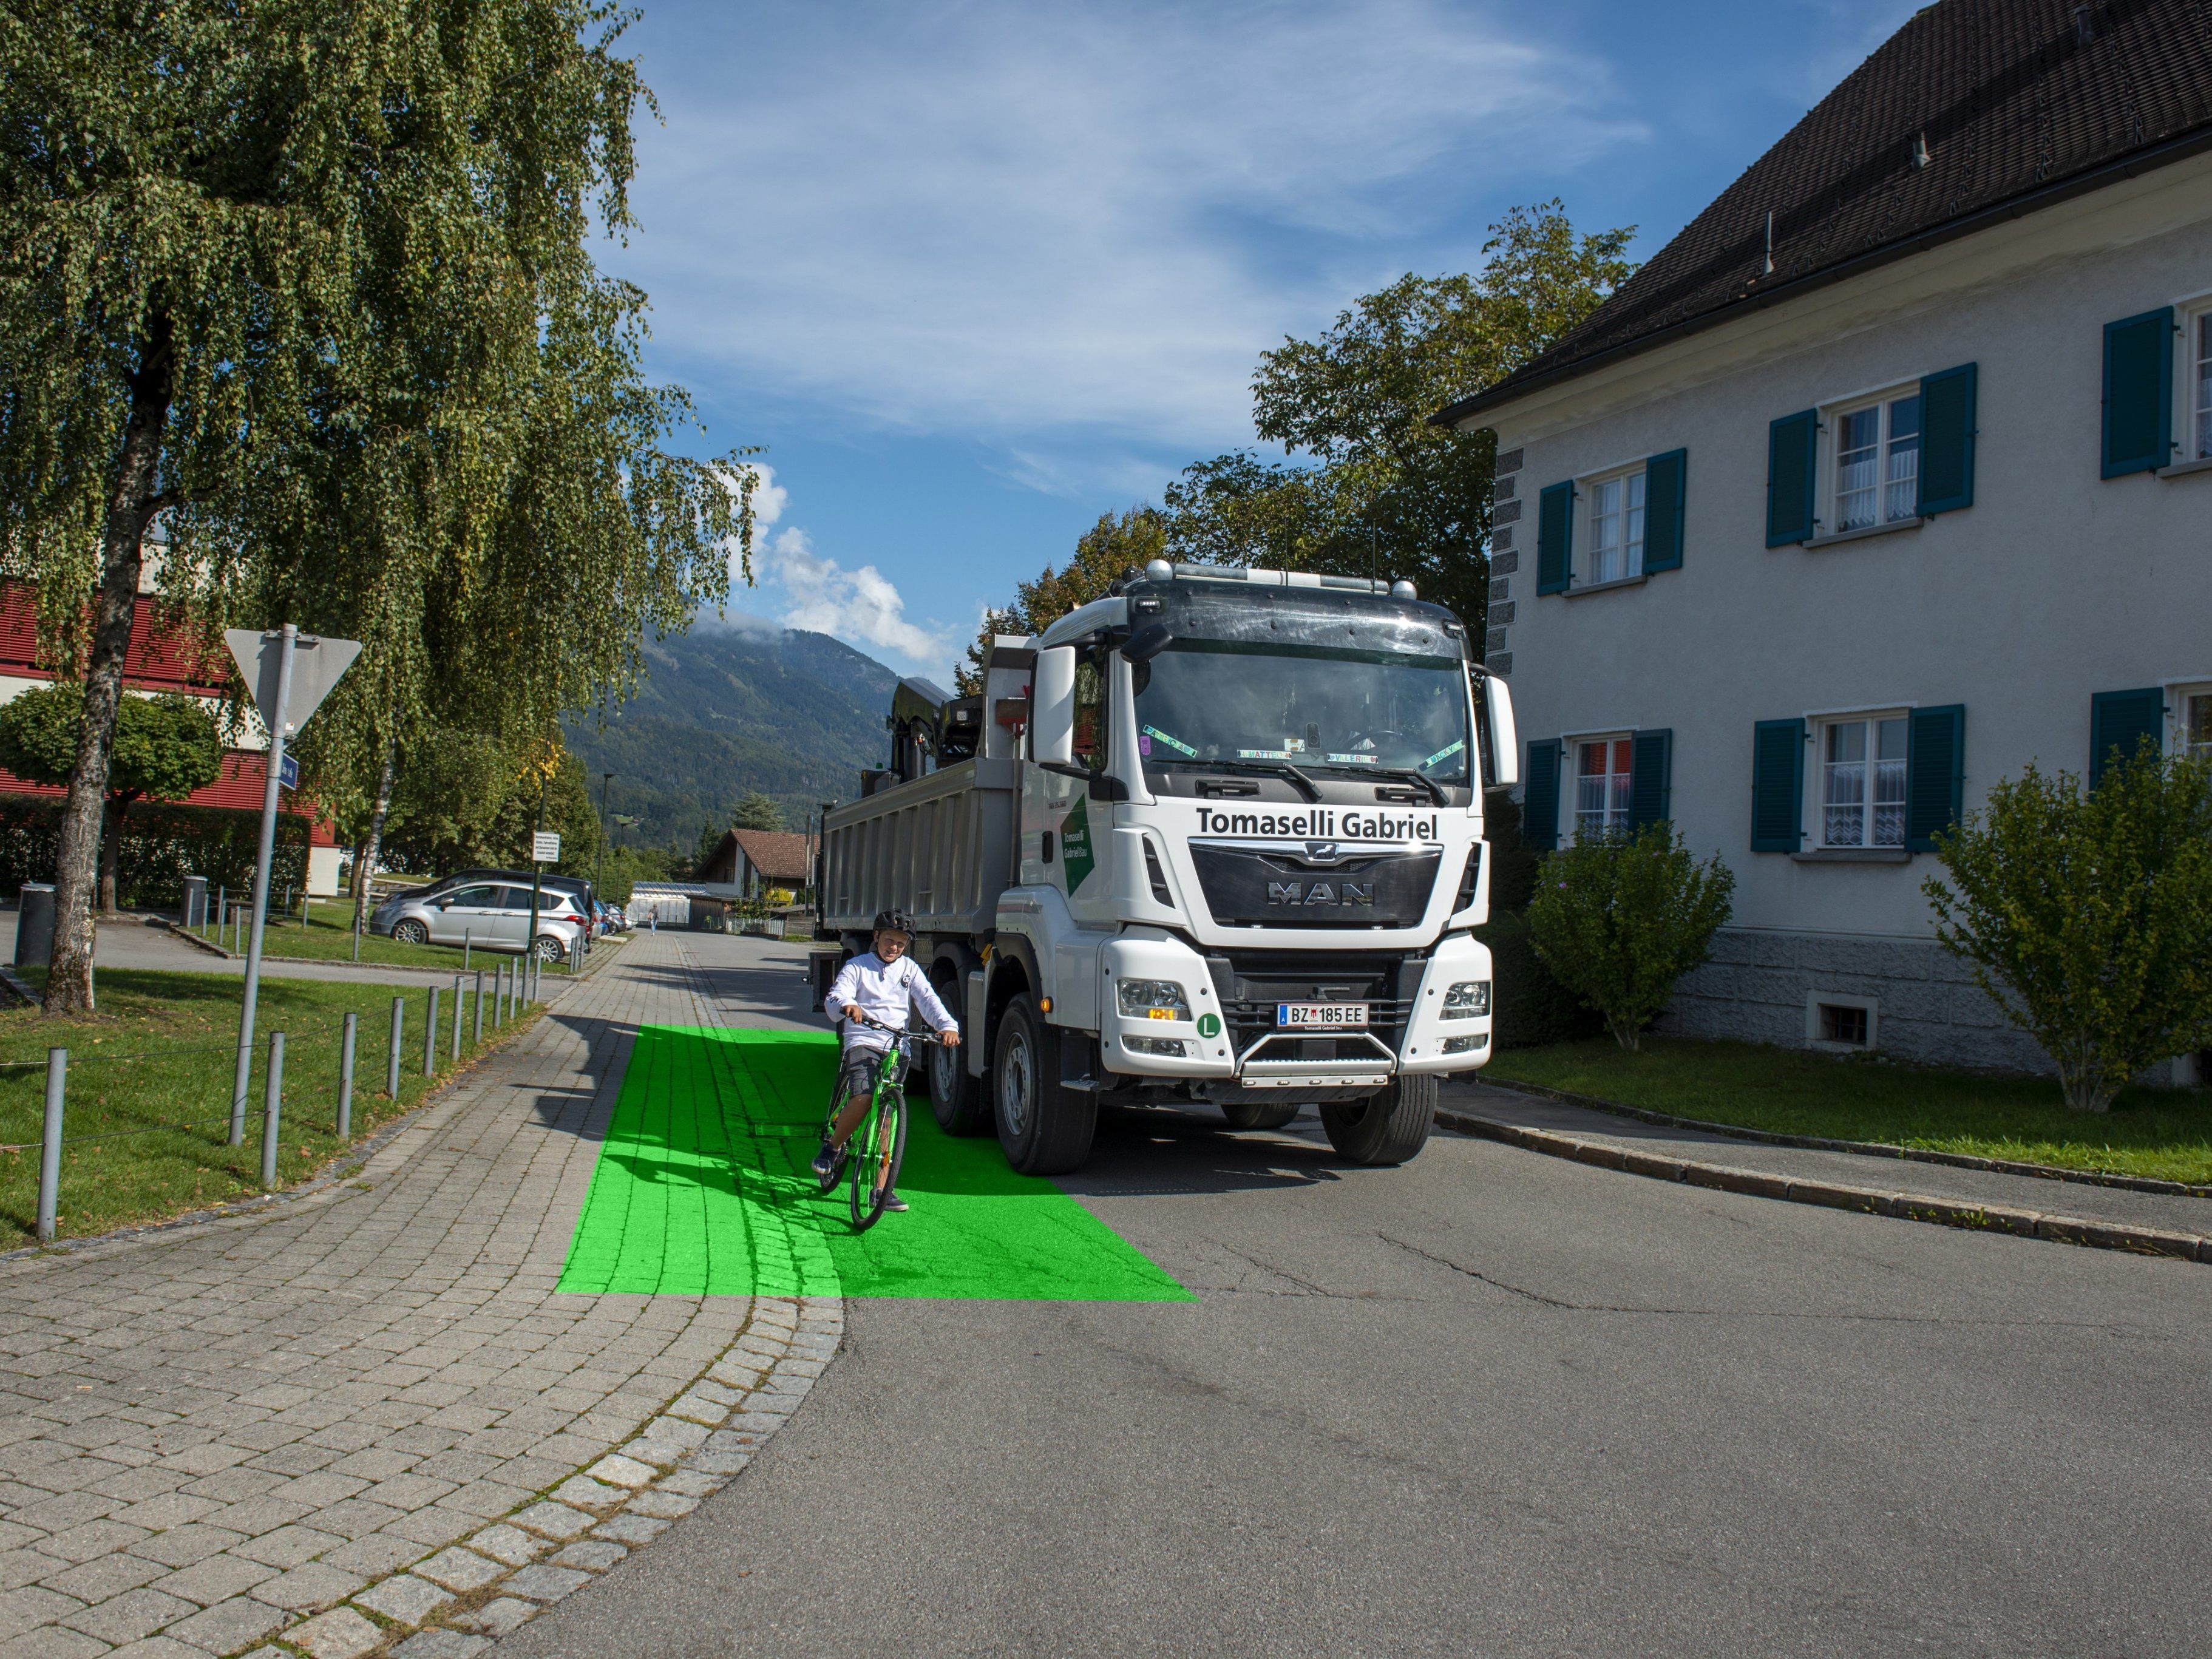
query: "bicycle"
878, 1143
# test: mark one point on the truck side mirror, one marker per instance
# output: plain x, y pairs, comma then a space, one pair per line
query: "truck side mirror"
1147, 642
1504, 736
1052, 707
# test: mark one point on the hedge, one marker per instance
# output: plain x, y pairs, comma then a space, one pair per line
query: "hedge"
161, 845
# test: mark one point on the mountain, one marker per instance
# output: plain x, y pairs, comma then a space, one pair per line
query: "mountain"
724, 710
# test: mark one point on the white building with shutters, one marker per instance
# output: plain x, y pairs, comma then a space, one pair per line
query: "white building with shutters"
1889, 475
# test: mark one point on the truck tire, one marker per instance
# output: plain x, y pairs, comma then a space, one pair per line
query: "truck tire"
1385, 1128
1046, 1129
1257, 1114
955, 1097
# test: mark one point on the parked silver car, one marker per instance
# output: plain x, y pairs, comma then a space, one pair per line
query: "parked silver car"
491, 916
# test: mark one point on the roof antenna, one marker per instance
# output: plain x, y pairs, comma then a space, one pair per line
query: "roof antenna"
1919, 150
1769, 271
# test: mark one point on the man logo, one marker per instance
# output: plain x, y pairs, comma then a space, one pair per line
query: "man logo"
1321, 892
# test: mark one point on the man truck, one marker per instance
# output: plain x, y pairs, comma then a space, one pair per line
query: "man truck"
1217, 838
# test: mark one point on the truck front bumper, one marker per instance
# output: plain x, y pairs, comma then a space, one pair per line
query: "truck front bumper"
1426, 1041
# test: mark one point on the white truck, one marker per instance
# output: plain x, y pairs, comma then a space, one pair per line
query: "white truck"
1215, 838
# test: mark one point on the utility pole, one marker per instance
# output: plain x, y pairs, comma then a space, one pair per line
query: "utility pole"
606, 827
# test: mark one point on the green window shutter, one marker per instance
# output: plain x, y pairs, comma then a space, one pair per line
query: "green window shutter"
1946, 440
2139, 393
1778, 786
1652, 779
1555, 518
1935, 773
1540, 807
2123, 721
1790, 472
1663, 478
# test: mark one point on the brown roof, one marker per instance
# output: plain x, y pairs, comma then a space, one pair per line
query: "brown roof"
778, 854
1974, 110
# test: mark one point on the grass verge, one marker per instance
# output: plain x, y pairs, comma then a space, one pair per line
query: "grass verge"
149, 1087
2165, 1134
326, 935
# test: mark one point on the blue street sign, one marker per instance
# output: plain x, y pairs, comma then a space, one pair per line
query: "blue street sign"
288, 773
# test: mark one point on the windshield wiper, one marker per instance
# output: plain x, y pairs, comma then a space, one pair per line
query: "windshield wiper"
1435, 790
1280, 769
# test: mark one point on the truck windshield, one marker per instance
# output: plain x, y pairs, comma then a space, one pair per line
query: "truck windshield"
1204, 703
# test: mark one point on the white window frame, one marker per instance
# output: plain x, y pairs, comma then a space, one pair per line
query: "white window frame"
1572, 788
2194, 317
2179, 695
1588, 489
1832, 416
1817, 776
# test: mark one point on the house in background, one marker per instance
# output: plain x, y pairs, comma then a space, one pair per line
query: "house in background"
749, 862
157, 663
1889, 475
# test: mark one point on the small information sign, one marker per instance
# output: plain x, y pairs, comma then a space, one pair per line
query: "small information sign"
545, 847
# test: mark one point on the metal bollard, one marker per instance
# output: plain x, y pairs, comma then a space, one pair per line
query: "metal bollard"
222, 910
271, 1127
430, 1038
498, 996
49, 1150
345, 1079
476, 1018
392, 1060
468, 940
457, 1019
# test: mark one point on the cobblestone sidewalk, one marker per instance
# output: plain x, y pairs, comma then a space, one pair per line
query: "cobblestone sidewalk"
242, 1432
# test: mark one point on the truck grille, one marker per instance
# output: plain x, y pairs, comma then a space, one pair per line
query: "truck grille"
1250, 983
1247, 886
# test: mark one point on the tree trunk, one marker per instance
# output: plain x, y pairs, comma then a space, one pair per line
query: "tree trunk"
366, 861
131, 502
111, 850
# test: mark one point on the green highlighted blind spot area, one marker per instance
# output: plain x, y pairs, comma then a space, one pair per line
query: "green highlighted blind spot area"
703, 1188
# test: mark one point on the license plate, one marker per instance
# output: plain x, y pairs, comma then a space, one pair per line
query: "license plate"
1321, 1016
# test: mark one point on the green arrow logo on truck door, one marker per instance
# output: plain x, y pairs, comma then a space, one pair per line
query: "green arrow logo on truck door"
1075, 843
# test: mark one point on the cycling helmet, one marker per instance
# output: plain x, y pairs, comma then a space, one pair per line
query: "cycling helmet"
893, 921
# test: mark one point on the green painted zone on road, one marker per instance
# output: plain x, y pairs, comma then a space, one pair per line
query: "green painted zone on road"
703, 1188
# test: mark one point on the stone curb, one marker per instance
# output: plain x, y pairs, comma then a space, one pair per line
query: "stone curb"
1871, 1201
455, 1601
1865, 1148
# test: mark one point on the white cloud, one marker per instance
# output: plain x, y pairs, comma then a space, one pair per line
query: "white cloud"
1005, 219
858, 607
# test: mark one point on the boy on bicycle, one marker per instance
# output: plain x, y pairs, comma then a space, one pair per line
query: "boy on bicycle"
884, 984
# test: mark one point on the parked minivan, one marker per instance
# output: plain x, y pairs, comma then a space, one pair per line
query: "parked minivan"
488, 916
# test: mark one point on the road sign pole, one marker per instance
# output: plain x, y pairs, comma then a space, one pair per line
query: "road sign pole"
274, 719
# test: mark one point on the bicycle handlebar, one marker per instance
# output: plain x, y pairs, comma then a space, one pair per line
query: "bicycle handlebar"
923, 1036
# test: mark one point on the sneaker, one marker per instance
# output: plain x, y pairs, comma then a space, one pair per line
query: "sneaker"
826, 1163
893, 1201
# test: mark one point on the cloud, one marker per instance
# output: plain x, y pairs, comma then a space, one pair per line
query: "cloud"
1005, 219
859, 605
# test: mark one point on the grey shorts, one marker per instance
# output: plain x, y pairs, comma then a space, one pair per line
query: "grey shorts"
856, 1071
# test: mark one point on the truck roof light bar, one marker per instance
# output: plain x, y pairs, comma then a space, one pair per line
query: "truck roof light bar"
1262, 578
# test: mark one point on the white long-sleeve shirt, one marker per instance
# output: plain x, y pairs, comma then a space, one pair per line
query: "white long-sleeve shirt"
884, 991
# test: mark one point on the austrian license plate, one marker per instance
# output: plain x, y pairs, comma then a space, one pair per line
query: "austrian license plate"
1321, 1016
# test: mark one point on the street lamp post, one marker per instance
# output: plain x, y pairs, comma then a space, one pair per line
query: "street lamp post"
599, 859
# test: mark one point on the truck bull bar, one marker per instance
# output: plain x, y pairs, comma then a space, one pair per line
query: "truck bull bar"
1259, 1073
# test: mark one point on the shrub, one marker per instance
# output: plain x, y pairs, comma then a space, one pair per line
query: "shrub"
2087, 917
1531, 1008
1620, 918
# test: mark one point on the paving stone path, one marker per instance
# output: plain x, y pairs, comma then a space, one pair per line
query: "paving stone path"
365, 1420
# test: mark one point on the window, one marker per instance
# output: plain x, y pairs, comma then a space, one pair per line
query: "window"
1603, 773
2192, 722
1877, 463
2200, 384
1089, 741
1841, 1023
1617, 528
1862, 781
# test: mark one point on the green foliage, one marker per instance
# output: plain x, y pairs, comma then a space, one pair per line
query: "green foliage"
1532, 1008
1118, 544
757, 812
467, 800
1620, 918
710, 837
165, 747
154, 849
1387, 493
2087, 917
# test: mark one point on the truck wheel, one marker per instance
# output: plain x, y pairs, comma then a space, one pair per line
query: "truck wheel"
1046, 1129
1387, 1128
1256, 1115
954, 1096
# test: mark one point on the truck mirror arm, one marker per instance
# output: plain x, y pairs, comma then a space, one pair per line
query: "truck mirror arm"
1104, 786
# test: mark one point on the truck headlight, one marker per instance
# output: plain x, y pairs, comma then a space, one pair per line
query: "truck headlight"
1472, 1042
1467, 999
1151, 998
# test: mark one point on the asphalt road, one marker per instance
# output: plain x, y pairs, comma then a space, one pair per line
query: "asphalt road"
1489, 1403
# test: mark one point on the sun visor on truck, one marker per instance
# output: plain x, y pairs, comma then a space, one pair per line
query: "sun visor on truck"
1307, 617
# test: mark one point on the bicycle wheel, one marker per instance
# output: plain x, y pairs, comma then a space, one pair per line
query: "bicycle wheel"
877, 1147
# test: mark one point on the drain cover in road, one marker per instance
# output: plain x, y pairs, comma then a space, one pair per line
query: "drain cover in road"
703, 1188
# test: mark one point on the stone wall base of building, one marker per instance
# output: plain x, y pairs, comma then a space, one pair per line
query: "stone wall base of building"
1919, 1001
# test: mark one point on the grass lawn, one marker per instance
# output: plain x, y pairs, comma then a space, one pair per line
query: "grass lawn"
153, 1072
2163, 1134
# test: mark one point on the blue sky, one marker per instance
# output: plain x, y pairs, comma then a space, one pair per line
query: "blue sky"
975, 273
